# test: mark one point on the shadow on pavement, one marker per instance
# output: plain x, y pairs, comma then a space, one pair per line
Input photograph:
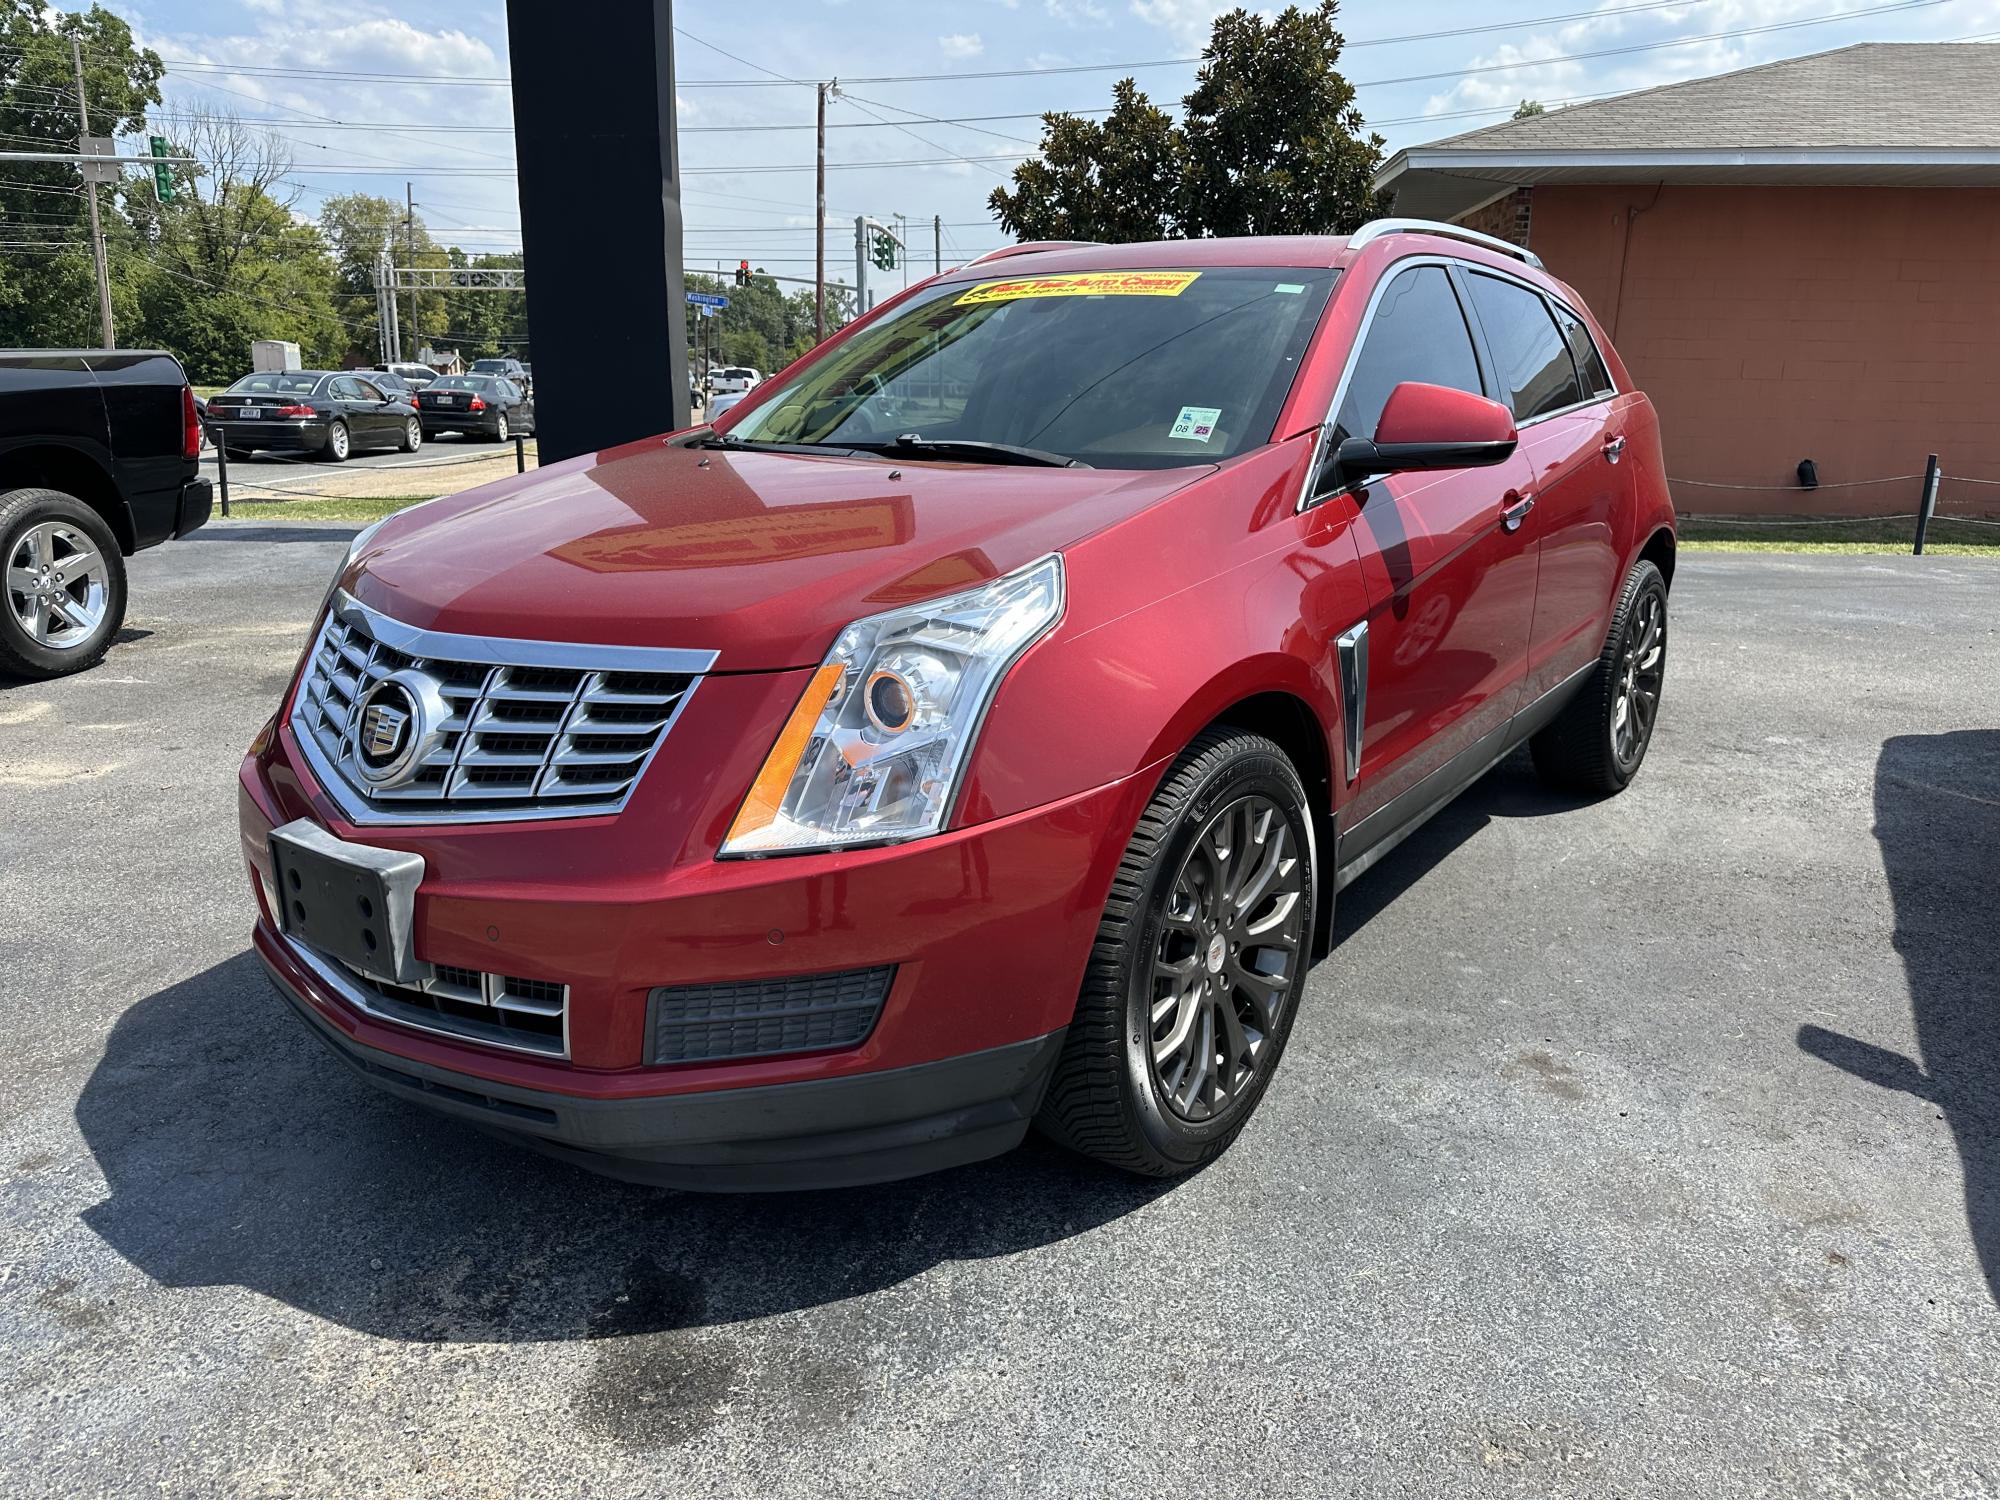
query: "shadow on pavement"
237, 1152
1510, 790
1937, 818
291, 531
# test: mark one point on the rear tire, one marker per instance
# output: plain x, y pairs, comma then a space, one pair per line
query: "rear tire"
338, 443
46, 529
413, 436
1598, 742
237, 455
500, 432
1198, 966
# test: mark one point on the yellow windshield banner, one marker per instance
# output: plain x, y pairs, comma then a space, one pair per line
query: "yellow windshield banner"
1084, 284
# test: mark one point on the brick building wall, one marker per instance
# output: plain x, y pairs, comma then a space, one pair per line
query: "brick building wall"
1509, 218
1857, 327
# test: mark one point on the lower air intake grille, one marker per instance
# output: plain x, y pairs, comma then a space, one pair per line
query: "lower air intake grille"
528, 1015
755, 1018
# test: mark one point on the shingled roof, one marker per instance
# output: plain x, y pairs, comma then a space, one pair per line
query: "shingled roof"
1910, 113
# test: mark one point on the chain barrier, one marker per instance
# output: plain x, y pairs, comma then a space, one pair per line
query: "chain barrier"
1926, 515
229, 486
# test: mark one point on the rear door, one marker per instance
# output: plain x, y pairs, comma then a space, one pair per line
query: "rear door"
383, 423
1563, 407
1451, 588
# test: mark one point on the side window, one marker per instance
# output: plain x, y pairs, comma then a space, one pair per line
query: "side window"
1418, 333
1534, 363
1582, 349
365, 391
345, 389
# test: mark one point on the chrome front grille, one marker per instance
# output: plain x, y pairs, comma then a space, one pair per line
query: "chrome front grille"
501, 1010
523, 729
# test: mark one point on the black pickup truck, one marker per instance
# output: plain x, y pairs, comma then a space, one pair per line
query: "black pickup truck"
100, 453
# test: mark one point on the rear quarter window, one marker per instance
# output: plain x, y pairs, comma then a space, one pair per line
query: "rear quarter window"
1534, 366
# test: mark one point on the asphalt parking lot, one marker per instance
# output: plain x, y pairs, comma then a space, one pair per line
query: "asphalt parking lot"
1644, 1147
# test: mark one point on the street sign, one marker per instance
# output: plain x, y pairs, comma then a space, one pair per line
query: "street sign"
98, 171
163, 179
708, 299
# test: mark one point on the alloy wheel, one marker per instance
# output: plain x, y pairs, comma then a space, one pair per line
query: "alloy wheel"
500, 429
413, 434
1228, 950
57, 585
337, 440
1642, 668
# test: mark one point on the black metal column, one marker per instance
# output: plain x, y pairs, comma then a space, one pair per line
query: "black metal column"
599, 163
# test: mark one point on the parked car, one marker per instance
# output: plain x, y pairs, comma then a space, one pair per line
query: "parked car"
415, 376
505, 369
482, 405
733, 379
329, 413
100, 454
720, 404
821, 799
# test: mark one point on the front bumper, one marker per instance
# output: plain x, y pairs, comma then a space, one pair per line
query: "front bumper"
832, 1132
987, 930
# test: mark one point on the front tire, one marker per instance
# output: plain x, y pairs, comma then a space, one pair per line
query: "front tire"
1198, 967
62, 584
1598, 742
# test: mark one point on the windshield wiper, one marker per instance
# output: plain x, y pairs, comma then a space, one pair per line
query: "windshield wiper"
944, 450
729, 440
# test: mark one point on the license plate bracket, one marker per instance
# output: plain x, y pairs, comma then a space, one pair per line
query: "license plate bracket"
351, 902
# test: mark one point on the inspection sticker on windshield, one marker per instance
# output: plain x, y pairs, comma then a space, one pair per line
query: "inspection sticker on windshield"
1084, 284
1195, 423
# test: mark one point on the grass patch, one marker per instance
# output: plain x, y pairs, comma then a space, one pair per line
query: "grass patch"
357, 508
1947, 537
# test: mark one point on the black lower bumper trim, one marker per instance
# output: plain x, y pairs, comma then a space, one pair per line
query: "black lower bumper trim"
834, 1132
196, 505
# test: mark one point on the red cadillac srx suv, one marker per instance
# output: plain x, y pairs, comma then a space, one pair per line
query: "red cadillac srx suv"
972, 730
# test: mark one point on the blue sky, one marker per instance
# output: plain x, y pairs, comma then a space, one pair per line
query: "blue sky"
461, 176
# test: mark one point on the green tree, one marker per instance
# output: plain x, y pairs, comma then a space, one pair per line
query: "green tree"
357, 226
1271, 141
226, 261
1528, 109
48, 293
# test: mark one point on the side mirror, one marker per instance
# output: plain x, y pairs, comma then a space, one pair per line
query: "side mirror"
1430, 427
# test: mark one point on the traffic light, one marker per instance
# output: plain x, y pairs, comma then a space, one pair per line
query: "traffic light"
883, 249
163, 176
743, 273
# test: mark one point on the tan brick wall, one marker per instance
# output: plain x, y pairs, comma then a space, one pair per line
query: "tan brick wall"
1508, 218
1858, 327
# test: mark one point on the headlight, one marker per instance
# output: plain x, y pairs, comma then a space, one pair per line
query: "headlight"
875, 749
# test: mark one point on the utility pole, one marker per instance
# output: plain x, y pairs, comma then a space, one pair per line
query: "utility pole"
410, 258
937, 244
819, 219
903, 244
90, 195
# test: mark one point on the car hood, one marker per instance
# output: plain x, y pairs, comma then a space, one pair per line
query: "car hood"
760, 557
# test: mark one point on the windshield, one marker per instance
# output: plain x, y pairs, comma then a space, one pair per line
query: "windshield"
461, 383
493, 365
278, 383
1119, 369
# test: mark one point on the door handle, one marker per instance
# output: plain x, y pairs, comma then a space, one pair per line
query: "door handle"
1517, 510
1614, 448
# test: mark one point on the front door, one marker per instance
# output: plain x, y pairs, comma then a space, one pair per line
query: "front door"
1451, 581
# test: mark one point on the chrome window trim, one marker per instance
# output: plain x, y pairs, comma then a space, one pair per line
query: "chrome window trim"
490, 651
1395, 268
335, 979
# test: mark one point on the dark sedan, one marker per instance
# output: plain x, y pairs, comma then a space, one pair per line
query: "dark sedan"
477, 404
328, 413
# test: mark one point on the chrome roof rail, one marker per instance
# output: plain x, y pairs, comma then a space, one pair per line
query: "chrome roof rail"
1375, 229
1029, 247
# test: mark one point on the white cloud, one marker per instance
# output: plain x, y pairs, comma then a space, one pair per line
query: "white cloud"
1189, 22
1080, 14
961, 44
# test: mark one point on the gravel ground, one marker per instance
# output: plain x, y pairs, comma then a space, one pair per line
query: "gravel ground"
1645, 1147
